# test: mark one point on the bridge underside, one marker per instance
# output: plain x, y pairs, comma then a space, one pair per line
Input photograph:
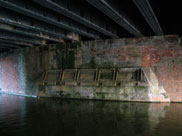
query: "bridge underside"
131, 69
91, 49
42, 22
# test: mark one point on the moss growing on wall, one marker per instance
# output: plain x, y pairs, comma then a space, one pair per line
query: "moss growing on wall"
94, 64
69, 60
91, 64
74, 45
106, 75
105, 65
141, 88
65, 59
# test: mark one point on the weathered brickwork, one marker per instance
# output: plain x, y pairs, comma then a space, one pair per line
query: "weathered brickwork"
12, 72
162, 56
9, 73
159, 56
108, 56
21, 70
135, 52
153, 55
171, 79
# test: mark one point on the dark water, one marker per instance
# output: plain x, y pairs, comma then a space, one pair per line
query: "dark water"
20, 116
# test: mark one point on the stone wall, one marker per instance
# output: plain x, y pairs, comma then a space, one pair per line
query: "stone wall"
160, 58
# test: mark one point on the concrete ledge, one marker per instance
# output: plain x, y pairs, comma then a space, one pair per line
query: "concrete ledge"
119, 93
18, 94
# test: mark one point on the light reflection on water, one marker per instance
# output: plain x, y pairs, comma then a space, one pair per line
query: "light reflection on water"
35, 117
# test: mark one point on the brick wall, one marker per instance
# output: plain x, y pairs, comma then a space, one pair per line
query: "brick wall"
12, 72
22, 70
161, 54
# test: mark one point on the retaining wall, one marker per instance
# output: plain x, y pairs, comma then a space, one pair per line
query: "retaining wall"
159, 57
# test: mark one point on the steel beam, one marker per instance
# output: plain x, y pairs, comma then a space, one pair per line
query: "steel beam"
147, 11
26, 33
66, 12
34, 28
3, 50
49, 18
16, 43
5, 47
4, 35
108, 10
15, 19
10, 44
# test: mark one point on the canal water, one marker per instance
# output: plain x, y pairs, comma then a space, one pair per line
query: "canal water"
22, 116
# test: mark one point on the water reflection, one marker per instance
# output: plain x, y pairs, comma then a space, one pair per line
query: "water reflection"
48, 117
12, 111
